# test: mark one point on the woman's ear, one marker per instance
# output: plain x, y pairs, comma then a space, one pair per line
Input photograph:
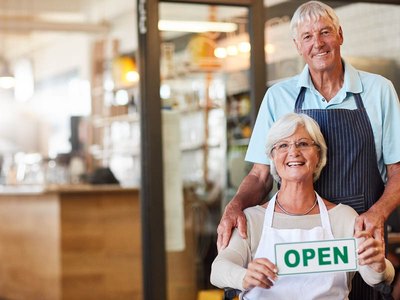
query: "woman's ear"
271, 155
319, 158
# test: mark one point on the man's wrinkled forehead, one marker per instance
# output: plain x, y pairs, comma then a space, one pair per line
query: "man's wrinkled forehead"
313, 19
314, 24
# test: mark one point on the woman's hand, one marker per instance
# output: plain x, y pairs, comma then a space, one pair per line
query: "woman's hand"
260, 272
371, 251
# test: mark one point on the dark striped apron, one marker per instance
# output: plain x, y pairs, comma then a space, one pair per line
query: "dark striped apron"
351, 175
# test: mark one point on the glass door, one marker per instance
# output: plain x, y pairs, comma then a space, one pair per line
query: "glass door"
205, 100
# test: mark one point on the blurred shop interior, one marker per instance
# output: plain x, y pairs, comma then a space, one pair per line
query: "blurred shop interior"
70, 129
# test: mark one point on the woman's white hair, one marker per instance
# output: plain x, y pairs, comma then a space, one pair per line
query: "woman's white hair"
285, 127
310, 11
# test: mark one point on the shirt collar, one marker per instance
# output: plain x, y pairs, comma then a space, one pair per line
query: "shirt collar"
352, 82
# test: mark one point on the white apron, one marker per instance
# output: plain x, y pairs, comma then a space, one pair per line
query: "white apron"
326, 286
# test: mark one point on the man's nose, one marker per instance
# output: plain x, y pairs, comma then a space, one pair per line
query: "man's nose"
318, 41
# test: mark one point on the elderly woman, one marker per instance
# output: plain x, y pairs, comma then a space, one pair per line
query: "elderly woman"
296, 213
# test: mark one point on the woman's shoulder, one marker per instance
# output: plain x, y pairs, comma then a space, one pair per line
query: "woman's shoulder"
342, 210
254, 211
342, 220
339, 209
255, 217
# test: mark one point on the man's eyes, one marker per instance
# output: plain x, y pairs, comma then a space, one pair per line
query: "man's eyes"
325, 32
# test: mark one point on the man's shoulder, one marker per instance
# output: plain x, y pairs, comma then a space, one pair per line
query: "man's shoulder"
364, 81
369, 79
366, 74
284, 87
285, 82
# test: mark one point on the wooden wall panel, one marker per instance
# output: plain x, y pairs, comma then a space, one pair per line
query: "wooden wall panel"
101, 246
29, 248
82, 243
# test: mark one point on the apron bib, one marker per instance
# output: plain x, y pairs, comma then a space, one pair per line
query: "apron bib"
327, 286
351, 175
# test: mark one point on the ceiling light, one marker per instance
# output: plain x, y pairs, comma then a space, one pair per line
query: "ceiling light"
196, 26
220, 52
7, 80
19, 24
132, 76
269, 48
244, 47
124, 71
232, 50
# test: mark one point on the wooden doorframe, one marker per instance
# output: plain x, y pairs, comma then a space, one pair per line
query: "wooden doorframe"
152, 199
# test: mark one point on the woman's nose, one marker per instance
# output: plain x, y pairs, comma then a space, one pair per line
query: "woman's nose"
293, 149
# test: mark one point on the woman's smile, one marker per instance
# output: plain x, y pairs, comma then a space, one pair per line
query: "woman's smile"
295, 163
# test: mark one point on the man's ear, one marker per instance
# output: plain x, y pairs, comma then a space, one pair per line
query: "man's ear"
341, 35
297, 45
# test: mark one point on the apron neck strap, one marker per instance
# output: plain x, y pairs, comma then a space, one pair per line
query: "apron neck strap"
325, 222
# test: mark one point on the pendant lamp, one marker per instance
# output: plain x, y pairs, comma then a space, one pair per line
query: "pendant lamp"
7, 79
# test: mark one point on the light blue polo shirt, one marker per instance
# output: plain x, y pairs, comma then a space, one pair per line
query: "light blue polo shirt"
379, 97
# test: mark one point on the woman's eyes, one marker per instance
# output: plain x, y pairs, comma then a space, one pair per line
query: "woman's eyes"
302, 144
283, 146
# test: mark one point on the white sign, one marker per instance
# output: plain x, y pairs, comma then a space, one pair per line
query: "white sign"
316, 256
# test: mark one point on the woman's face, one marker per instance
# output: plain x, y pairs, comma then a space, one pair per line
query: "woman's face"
296, 157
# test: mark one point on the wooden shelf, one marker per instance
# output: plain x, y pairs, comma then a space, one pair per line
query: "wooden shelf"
98, 152
105, 121
127, 87
239, 142
195, 147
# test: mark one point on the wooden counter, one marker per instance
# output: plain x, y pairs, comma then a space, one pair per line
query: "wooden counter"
80, 242
76, 242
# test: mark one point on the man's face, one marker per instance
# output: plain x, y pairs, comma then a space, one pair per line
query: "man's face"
319, 43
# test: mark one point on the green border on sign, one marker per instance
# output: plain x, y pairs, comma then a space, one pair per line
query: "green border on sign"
319, 241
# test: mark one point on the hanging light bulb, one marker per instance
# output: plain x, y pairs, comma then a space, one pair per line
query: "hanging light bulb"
7, 80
